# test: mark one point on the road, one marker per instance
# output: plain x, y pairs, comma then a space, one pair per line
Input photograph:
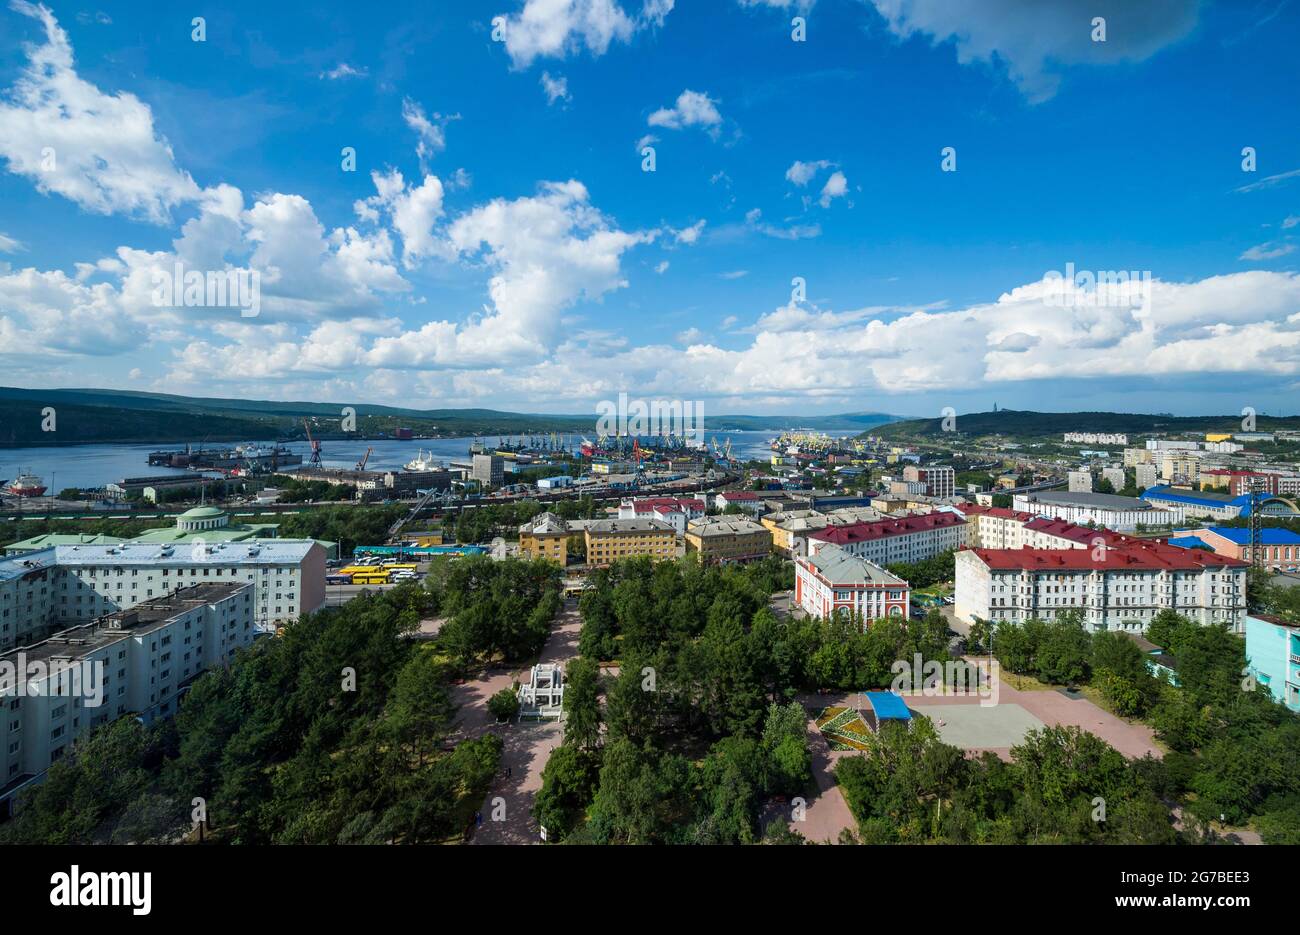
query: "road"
527, 746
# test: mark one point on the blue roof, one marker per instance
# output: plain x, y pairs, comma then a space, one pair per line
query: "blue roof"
888, 706
1187, 496
1189, 542
1269, 535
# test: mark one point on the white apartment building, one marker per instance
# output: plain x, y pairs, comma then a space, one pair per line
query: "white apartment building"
1115, 475
939, 480
1102, 509
1164, 444
83, 582
1096, 438
1122, 588
1135, 456
888, 541
28, 584
1145, 475
135, 661
1079, 481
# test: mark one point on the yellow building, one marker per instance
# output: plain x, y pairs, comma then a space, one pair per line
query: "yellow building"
425, 539
545, 536
1218, 436
609, 540
728, 539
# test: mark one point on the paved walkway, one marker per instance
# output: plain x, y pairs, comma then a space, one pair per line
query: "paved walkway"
526, 745
827, 813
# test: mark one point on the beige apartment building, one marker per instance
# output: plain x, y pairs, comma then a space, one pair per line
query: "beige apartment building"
545, 536
728, 539
609, 540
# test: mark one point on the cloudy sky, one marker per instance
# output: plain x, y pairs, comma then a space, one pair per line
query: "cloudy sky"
448, 204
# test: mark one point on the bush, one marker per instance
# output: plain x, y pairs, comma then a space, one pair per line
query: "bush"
504, 704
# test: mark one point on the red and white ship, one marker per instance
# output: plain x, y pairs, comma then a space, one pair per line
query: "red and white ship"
26, 485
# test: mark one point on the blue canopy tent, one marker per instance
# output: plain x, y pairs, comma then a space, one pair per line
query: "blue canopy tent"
887, 706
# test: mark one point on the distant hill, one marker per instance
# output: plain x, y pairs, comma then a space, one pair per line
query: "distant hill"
106, 415
1024, 424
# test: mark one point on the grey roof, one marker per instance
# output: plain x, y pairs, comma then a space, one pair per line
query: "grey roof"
544, 523
15, 566
724, 526
82, 640
1104, 501
839, 567
251, 552
629, 525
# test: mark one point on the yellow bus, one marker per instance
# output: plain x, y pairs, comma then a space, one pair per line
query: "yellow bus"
394, 566
371, 576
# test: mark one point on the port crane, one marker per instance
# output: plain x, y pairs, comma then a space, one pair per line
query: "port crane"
361, 465
315, 446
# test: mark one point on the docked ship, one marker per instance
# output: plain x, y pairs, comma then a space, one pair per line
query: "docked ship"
424, 462
25, 485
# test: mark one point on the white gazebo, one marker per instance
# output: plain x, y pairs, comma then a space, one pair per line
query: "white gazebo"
543, 694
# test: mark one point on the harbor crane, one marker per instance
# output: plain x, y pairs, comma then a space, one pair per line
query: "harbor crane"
420, 504
314, 461
361, 465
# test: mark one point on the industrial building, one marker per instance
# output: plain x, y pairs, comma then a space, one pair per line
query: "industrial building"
489, 470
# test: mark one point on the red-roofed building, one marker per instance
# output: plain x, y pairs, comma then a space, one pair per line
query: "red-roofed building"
887, 541
1121, 586
675, 511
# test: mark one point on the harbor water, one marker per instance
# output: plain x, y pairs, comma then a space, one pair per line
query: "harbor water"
92, 466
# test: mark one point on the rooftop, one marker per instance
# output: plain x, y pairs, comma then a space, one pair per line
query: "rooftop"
16, 566
724, 526
1124, 555
840, 568
1101, 501
628, 525
80, 641
251, 552
1268, 535
882, 529
1204, 497
544, 524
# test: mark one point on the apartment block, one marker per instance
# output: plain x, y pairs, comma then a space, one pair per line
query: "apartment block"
131, 662
727, 539
1121, 587
609, 540
888, 541
545, 536
70, 584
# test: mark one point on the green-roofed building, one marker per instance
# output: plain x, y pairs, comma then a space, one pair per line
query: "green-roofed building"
203, 522
49, 539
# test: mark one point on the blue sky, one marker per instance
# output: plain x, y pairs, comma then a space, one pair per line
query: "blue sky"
499, 243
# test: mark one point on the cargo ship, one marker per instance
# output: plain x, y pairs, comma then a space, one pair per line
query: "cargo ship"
25, 485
